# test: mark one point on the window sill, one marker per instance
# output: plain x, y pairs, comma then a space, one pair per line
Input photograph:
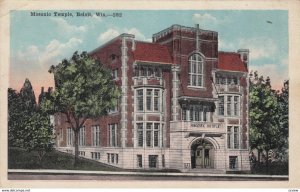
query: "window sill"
196, 87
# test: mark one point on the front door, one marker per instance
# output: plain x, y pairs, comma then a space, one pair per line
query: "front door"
202, 153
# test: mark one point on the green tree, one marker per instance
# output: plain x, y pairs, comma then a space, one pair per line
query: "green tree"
37, 135
283, 99
15, 114
27, 96
20, 108
83, 89
28, 125
265, 134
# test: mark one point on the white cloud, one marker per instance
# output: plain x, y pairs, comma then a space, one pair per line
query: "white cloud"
273, 71
108, 35
55, 49
65, 27
51, 54
260, 47
226, 46
207, 18
136, 32
113, 32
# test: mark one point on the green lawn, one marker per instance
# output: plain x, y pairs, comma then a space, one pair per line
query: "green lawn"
20, 159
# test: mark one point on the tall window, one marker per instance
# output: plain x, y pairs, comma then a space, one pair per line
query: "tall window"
149, 99
82, 136
156, 100
232, 137
69, 136
140, 134
236, 106
140, 99
229, 104
114, 109
195, 71
152, 97
96, 135
221, 105
153, 161
113, 135
152, 133
148, 71
114, 74
233, 162
139, 160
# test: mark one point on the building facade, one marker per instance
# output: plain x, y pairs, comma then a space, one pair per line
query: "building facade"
184, 105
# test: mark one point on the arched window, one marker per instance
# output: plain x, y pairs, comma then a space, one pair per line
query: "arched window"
195, 71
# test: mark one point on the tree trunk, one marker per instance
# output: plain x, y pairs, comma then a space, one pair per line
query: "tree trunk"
40, 157
76, 135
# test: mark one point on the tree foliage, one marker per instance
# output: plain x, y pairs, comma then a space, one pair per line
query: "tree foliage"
28, 126
20, 108
268, 115
283, 99
83, 89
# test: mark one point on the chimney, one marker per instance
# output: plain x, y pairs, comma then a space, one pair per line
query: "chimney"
244, 55
197, 38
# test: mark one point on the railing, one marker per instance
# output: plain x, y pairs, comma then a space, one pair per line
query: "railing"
228, 88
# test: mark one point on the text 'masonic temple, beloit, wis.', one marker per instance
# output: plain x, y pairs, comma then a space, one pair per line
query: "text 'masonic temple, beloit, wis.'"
184, 105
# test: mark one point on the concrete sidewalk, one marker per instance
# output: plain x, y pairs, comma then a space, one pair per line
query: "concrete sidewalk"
81, 172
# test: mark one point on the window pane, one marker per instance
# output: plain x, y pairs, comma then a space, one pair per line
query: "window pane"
229, 105
236, 137
156, 100
148, 138
194, 67
221, 105
199, 64
150, 71
200, 80
204, 114
184, 114
140, 160
149, 99
233, 162
140, 100
229, 137
194, 80
113, 136
236, 105
155, 138
191, 114
140, 134
152, 161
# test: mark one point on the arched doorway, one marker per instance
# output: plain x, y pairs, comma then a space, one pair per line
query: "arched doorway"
202, 154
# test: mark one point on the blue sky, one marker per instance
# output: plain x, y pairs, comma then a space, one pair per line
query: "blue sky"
37, 42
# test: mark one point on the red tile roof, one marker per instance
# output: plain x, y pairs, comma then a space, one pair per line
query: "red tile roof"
152, 52
230, 61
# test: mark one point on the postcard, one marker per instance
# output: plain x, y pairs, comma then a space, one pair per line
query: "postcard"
135, 93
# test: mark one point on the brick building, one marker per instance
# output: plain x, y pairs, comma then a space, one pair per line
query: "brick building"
184, 105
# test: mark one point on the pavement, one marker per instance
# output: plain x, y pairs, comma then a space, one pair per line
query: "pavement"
45, 174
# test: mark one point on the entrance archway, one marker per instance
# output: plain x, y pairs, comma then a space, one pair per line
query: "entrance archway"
202, 154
